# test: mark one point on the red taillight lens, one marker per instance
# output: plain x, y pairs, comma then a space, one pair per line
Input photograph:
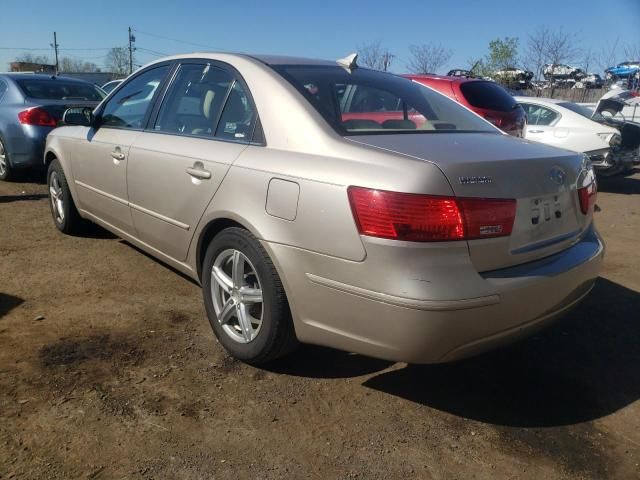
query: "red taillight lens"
429, 218
587, 196
488, 217
406, 216
37, 116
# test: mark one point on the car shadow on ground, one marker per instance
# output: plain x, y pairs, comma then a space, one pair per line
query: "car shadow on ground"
625, 185
584, 367
20, 198
8, 303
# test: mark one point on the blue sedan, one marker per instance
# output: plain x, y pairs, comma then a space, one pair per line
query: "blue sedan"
623, 70
31, 105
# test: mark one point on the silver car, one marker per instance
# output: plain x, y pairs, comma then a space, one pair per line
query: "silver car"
321, 202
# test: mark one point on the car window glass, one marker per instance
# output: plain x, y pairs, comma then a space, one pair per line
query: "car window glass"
129, 105
367, 102
238, 116
3, 88
194, 101
59, 89
538, 115
488, 95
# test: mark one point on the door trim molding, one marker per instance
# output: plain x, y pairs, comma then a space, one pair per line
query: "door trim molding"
101, 192
159, 216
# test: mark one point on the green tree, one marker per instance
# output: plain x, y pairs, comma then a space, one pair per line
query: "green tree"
503, 53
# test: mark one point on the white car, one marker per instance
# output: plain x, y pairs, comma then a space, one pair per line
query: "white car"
567, 125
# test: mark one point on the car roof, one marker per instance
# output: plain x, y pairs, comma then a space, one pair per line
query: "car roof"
554, 101
40, 76
442, 78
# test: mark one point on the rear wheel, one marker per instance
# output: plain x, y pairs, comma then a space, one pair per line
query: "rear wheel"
6, 172
245, 300
64, 212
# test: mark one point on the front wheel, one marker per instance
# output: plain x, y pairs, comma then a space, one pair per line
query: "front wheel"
63, 210
245, 301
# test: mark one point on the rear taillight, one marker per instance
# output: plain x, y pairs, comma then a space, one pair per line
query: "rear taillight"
38, 117
587, 196
488, 217
429, 218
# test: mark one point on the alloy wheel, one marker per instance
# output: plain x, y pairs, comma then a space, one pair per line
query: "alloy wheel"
3, 161
55, 194
237, 295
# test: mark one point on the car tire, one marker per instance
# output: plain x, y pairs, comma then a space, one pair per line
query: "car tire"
236, 267
6, 172
63, 209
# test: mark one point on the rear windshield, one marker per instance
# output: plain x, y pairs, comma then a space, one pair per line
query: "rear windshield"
369, 102
579, 109
56, 89
488, 95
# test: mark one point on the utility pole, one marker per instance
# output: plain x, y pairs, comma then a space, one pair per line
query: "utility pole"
55, 48
132, 39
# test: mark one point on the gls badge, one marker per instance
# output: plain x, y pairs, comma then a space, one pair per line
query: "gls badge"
475, 180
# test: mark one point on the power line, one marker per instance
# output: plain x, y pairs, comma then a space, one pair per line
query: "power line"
174, 39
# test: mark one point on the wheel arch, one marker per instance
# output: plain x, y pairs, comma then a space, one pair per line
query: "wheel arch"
208, 232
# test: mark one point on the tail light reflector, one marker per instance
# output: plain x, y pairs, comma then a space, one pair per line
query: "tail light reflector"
587, 196
38, 117
429, 218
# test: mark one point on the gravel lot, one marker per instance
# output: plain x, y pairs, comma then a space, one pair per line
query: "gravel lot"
108, 369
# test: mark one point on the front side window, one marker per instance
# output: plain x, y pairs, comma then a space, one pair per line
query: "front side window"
538, 115
194, 101
238, 116
364, 101
3, 88
59, 89
129, 106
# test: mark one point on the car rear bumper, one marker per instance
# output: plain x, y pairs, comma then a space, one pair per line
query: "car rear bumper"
25, 145
508, 304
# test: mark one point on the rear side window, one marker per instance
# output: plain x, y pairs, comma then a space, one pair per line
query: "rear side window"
538, 115
57, 89
488, 95
238, 116
195, 100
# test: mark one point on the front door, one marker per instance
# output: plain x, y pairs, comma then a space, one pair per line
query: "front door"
100, 160
205, 122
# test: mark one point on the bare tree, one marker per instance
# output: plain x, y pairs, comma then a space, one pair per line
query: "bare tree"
609, 55
561, 47
69, 65
28, 57
632, 52
374, 55
428, 57
117, 60
536, 50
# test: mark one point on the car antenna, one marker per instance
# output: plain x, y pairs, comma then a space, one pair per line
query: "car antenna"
349, 63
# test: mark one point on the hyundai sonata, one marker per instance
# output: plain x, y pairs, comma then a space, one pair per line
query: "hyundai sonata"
321, 202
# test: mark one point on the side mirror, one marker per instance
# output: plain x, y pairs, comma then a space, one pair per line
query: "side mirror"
81, 116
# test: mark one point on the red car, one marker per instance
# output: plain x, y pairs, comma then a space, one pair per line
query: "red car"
487, 99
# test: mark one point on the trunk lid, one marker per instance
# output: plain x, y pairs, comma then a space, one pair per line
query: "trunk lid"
56, 108
544, 181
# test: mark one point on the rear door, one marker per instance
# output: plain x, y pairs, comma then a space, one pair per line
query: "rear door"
100, 163
542, 125
205, 121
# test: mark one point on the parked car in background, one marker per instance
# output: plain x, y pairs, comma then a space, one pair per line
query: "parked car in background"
107, 87
31, 106
572, 126
515, 78
488, 99
622, 70
560, 71
415, 243
591, 80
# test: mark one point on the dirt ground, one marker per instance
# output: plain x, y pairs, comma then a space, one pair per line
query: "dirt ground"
109, 370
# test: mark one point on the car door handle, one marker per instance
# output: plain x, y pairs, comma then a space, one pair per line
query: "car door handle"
535, 131
117, 155
198, 171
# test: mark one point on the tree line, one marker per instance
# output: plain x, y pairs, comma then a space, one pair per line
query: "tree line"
116, 61
545, 45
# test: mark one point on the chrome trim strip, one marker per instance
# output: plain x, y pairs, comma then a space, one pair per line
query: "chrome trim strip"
546, 243
100, 192
431, 305
159, 216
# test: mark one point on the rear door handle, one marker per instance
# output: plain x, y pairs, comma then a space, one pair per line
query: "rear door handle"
117, 155
535, 131
198, 171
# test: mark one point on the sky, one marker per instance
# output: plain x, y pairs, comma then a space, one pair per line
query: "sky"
312, 28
